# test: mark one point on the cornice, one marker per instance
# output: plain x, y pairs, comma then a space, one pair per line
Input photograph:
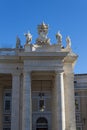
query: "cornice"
33, 55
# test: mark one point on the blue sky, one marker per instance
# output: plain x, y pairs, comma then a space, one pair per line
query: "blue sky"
67, 16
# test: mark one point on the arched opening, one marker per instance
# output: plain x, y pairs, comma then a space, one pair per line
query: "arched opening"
41, 124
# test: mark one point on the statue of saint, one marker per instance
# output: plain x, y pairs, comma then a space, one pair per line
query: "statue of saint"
28, 37
18, 42
68, 40
59, 38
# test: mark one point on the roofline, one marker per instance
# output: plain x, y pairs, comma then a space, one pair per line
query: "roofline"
80, 74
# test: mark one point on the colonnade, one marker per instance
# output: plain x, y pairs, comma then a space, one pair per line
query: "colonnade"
60, 119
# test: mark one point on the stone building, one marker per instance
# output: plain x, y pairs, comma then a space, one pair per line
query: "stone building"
80, 83
37, 86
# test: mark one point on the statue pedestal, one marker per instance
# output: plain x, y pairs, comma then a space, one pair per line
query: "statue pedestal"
28, 48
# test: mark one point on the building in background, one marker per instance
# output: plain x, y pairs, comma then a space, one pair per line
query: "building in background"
80, 84
37, 86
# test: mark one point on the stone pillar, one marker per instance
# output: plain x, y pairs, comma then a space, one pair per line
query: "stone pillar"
15, 101
59, 102
70, 101
1, 107
27, 109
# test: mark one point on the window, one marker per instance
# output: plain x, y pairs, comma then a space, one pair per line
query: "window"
78, 119
7, 118
7, 105
7, 101
7, 110
76, 94
8, 94
77, 104
75, 82
7, 128
78, 128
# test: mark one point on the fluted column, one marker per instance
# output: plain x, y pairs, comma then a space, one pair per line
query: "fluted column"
59, 101
27, 109
70, 101
15, 101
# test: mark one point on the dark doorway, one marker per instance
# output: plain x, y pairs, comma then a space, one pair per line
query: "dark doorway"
42, 124
42, 128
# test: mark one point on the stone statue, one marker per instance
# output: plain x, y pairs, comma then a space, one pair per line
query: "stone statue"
42, 31
18, 42
59, 38
28, 37
68, 40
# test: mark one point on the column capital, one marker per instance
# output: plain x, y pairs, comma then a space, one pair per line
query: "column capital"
59, 72
69, 75
27, 71
16, 73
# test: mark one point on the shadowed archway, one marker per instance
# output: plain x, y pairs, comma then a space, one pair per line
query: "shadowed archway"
41, 124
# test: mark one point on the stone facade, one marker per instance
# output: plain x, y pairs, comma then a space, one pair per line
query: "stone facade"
80, 83
37, 84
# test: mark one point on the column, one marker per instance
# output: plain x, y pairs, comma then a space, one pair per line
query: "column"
70, 101
27, 109
59, 101
1, 107
15, 101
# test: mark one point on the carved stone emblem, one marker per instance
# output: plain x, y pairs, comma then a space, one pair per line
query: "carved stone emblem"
42, 31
